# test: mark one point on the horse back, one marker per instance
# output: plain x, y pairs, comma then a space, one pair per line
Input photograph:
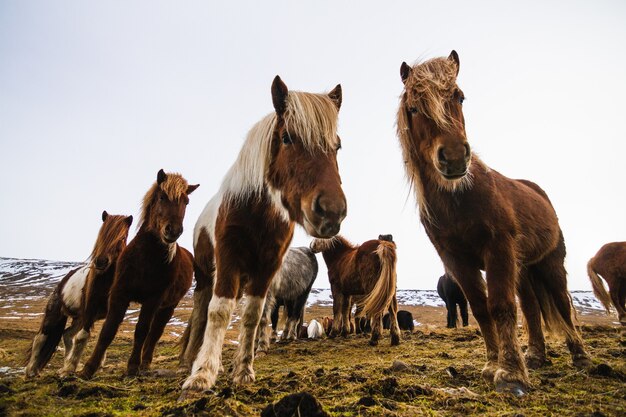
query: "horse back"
610, 261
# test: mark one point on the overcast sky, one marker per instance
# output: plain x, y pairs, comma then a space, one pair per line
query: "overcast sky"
96, 97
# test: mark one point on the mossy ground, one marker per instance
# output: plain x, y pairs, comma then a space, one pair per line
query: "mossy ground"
347, 376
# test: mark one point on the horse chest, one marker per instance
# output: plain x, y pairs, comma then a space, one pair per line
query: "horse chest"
72, 292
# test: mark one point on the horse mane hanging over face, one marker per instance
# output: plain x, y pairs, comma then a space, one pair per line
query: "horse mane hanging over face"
310, 117
113, 234
175, 188
429, 86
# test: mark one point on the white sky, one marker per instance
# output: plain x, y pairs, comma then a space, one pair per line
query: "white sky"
96, 97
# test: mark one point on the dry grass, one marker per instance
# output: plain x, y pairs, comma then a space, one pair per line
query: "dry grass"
347, 376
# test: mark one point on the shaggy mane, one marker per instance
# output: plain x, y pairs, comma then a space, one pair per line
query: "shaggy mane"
174, 186
112, 231
311, 117
321, 245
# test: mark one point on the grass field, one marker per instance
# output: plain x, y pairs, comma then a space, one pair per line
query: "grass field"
434, 372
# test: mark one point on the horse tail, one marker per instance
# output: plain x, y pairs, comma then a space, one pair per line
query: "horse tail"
49, 335
598, 287
377, 301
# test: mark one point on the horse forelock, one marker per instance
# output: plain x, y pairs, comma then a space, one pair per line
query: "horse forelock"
429, 86
174, 186
113, 229
311, 117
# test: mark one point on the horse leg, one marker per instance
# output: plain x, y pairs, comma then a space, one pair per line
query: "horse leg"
551, 278
337, 307
68, 335
159, 321
617, 292
394, 328
144, 323
377, 324
464, 315
290, 332
192, 339
345, 315
536, 354
502, 275
263, 332
453, 315
299, 307
473, 286
357, 319
274, 319
114, 318
243, 372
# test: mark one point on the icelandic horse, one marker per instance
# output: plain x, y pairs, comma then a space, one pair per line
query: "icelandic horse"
153, 270
286, 173
365, 272
610, 264
82, 296
478, 219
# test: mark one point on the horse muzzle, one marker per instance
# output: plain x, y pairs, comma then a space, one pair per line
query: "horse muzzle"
325, 216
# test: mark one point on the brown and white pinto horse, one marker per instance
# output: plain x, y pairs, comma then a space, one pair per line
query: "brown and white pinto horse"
366, 272
153, 270
286, 173
479, 219
610, 264
81, 295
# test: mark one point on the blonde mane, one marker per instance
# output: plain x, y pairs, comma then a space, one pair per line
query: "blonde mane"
310, 117
429, 87
174, 186
114, 229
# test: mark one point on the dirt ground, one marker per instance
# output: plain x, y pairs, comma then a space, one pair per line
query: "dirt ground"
434, 372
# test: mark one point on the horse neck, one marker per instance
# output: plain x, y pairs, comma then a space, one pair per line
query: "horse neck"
337, 251
149, 241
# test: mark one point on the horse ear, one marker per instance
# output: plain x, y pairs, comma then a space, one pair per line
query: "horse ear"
129, 220
279, 95
104, 215
192, 188
161, 176
405, 71
335, 95
455, 57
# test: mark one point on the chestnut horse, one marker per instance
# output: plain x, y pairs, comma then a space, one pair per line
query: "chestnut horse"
610, 264
153, 270
286, 173
81, 295
366, 272
479, 219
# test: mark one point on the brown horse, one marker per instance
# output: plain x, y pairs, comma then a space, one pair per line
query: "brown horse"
367, 272
479, 219
286, 173
81, 295
153, 270
610, 264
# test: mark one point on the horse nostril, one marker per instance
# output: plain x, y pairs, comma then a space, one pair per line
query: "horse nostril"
317, 207
467, 150
168, 229
441, 155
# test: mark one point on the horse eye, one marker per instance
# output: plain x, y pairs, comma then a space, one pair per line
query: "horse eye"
413, 110
287, 139
461, 99
162, 197
338, 146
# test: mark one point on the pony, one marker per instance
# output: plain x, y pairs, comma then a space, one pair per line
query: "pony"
286, 173
405, 321
477, 219
82, 296
315, 330
153, 270
451, 294
367, 272
291, 285
610, 264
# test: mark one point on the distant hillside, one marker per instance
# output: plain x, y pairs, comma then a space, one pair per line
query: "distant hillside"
37, 278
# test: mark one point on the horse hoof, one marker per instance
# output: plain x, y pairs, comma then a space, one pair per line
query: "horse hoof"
489, 371
244, 378
189, 394
535, 362
395, 340
373, 342
260, 354
515, 388
582, 361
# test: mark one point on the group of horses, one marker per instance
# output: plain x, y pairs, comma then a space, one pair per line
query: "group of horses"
286, 174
